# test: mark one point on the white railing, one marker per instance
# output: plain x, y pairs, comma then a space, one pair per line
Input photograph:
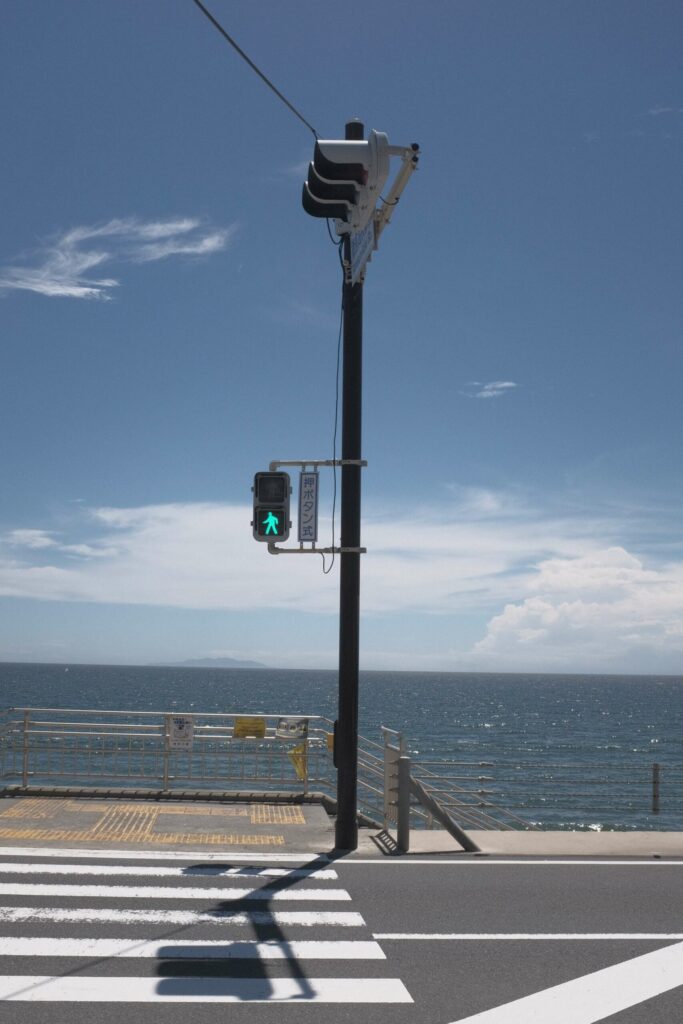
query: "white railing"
238, 754
76, 746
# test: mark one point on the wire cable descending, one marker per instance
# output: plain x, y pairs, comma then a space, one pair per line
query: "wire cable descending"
251, 64
328, 570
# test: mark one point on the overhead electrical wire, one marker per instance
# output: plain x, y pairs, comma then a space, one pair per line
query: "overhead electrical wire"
338, 244
251, 64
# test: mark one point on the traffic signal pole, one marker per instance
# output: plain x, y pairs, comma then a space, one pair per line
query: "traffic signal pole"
346, 737
344, 183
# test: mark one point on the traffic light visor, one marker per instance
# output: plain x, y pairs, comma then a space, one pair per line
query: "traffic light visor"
334, 160
272, 487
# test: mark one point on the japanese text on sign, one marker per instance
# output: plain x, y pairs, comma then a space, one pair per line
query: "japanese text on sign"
180, 732
308, 507
249, 727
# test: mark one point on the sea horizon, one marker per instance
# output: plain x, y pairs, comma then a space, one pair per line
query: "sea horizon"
193, 665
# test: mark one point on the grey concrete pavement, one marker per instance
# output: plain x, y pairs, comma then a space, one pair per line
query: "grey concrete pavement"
141, 823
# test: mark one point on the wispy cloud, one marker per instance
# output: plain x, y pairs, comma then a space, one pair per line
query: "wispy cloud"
493, 389
27, 538
64, 268
659, 110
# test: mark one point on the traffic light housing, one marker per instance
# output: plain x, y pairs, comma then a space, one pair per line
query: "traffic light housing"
345, 180
271, 507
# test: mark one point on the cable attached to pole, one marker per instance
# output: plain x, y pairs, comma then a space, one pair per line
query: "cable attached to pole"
336, 424
251, 64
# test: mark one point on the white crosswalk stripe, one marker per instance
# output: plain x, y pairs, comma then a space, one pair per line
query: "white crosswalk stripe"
197, 949
69, 927
167, 892
207, 990
145, 871
274, 918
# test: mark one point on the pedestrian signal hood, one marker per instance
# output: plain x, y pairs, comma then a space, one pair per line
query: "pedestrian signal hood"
345, 180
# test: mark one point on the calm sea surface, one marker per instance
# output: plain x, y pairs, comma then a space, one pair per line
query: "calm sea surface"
507, 719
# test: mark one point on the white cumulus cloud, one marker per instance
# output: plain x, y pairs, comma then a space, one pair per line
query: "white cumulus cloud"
551, 592
606, 608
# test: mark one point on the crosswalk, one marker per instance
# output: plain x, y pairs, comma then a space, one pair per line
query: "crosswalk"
74, 928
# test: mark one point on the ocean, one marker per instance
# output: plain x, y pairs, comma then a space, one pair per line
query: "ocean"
521, 723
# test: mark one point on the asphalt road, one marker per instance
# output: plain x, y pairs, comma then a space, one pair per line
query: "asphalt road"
163, 939
469, 936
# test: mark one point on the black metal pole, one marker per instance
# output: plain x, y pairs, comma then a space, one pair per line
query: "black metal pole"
346, 741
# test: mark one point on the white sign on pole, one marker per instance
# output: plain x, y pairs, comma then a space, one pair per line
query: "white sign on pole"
308, 507
362, 245
180, 732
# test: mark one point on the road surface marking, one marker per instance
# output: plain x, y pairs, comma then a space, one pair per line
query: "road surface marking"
168, 892
529, 936
248, 949
595, 996
312, 918
34, 988
154, 855
192, 871
517, 861
466, 861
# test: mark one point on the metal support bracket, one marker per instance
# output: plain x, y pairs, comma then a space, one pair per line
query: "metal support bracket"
276, 463
275, 550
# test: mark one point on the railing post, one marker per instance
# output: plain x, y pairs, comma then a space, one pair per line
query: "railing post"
655, 788
25, 750
167, 740
306, 750
403, 805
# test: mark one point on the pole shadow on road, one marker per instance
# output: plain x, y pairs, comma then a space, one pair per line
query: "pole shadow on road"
177, 976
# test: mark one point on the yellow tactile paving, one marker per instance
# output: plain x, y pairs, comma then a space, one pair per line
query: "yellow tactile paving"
259, 814
124, 822
277, 814
139, 808
33, 808
200, 838
127, 822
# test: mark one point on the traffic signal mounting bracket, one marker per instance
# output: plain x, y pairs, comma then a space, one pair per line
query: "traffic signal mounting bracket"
274, 466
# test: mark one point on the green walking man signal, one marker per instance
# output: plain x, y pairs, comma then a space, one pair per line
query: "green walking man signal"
271, 506
272, 523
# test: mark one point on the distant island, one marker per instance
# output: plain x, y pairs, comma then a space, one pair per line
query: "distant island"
213, 663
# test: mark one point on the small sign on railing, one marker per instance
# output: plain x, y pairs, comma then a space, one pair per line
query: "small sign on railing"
249, 727
180, 732
292, 729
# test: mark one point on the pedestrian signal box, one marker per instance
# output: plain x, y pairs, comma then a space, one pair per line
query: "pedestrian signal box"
271, 506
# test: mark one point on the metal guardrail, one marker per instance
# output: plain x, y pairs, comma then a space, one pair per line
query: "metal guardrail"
80, 747
616, 792
538, 795
94, 748
88, 748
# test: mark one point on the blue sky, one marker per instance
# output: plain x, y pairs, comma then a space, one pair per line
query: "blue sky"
169, 317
